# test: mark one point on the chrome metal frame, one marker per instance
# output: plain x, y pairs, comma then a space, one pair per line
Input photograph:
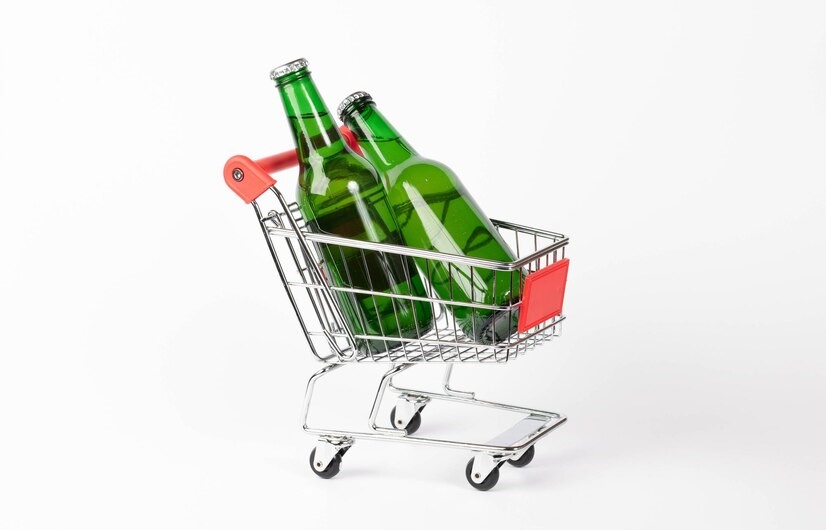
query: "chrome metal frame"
310, 294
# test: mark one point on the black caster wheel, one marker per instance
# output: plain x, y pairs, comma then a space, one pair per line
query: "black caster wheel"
332, 468
413, 426
489, 482
525, 459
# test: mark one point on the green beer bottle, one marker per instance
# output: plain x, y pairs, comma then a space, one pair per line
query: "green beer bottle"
435, 212
340, 193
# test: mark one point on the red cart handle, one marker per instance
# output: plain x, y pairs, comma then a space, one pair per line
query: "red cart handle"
250, 178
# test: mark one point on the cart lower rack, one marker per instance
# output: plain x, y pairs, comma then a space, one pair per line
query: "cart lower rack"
540, 268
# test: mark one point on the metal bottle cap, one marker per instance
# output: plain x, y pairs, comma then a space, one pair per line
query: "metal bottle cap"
292, 66
350, 100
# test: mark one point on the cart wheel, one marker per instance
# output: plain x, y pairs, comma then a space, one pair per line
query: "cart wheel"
412, 426
489, 482
525, 459
332, 468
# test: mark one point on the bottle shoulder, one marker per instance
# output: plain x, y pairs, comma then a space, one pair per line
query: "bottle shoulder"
337, 174
342, 163
423, 172
420, 162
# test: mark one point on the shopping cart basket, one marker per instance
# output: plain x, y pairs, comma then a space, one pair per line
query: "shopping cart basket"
541, 266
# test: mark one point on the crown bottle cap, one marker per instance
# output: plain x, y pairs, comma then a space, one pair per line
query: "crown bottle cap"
285, 69
350, 101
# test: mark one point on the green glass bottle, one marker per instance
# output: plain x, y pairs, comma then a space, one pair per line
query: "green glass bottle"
435, 212
340, 193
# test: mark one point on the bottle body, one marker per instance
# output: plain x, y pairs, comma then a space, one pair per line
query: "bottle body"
340, 193
435, 212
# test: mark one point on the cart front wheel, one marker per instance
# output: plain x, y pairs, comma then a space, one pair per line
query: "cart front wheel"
330, 471
489, 482
525, 459
412, 426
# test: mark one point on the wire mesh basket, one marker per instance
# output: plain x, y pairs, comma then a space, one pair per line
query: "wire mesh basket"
540, 269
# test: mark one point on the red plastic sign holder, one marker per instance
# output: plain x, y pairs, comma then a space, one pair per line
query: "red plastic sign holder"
543, 295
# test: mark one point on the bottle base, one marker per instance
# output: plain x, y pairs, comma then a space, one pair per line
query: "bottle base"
498, 327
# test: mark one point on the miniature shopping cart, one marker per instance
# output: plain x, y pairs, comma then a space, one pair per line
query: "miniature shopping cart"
298, 254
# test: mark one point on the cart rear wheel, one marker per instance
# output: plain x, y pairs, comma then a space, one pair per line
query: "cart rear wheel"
412, 426
525, 459
489, 482
332, 468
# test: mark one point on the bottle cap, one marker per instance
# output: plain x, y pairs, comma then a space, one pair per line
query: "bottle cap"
351, 100
285, 69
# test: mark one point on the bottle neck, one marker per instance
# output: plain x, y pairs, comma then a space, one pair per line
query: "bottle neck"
314, 129
382, 144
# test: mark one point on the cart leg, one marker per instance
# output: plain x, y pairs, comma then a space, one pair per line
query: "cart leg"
451, 392
386, 379
308, 395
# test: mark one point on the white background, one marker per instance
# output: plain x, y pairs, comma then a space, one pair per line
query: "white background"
152, 372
